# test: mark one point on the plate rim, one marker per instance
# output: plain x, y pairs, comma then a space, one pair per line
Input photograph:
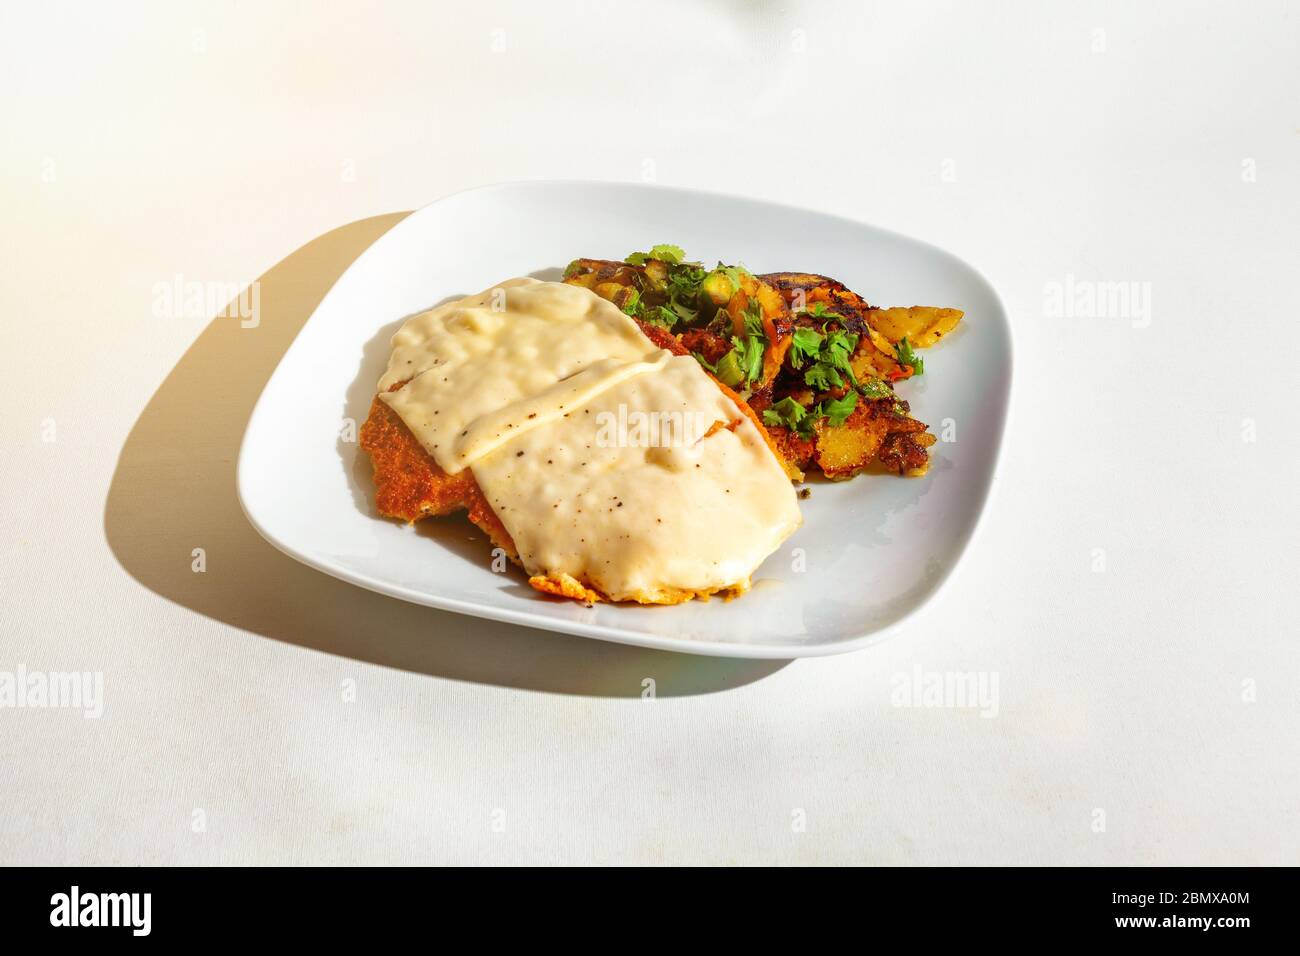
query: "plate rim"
711, 648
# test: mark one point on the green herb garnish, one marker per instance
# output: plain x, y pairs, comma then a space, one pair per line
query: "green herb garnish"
837, 410
819, 311
823, 377
804, 346
729, 371
875, 388
734, 273
748, 350
787, 413
705, 362
664, 252
661, 315
683, 289
829, 355
906, 356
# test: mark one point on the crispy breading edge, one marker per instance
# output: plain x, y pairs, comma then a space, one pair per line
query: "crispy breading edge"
410, 485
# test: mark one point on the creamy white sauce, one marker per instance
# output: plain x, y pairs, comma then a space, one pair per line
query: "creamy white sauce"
526, 385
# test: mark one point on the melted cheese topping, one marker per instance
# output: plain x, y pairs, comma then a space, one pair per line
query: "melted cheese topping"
605, 457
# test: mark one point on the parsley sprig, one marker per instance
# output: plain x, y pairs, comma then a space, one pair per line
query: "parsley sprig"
818, 310
664, 252
824, 357
788, 413
743, 365
907, 356
681, 288
634, 306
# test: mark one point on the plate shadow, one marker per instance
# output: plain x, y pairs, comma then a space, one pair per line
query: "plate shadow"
173, 491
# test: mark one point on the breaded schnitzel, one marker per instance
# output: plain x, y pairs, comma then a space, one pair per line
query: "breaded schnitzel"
652, 551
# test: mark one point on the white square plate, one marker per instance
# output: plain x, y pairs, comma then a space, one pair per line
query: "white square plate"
871, 551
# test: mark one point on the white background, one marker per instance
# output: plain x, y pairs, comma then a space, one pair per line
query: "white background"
1133, 585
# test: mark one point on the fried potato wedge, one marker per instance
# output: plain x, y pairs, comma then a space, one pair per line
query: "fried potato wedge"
921, 325
905, 452
879, 431
874, 358
618, 282
845, 450
813, 298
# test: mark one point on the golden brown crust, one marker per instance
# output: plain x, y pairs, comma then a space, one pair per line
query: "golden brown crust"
567, 586
564, 585
410, 485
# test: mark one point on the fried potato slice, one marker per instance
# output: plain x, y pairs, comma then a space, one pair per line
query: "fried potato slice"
879, 431
905, 452
844, 450
921, 325
813, 299
618, 282
874, 357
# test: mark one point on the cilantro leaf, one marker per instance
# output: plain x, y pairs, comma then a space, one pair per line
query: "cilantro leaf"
633, 305
787, 413
754, 319
749, 354
684, 313
664, 252
823, 377
662, 315
906, 356
683, 288
746, 355
684, 282
837, 410
804, 346
838, 349
705, 362
819, 310
670, 254
829, 354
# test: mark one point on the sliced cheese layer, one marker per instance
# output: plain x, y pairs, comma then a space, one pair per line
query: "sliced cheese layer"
606, 458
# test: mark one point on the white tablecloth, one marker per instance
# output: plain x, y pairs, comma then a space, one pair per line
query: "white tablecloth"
1132, 589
